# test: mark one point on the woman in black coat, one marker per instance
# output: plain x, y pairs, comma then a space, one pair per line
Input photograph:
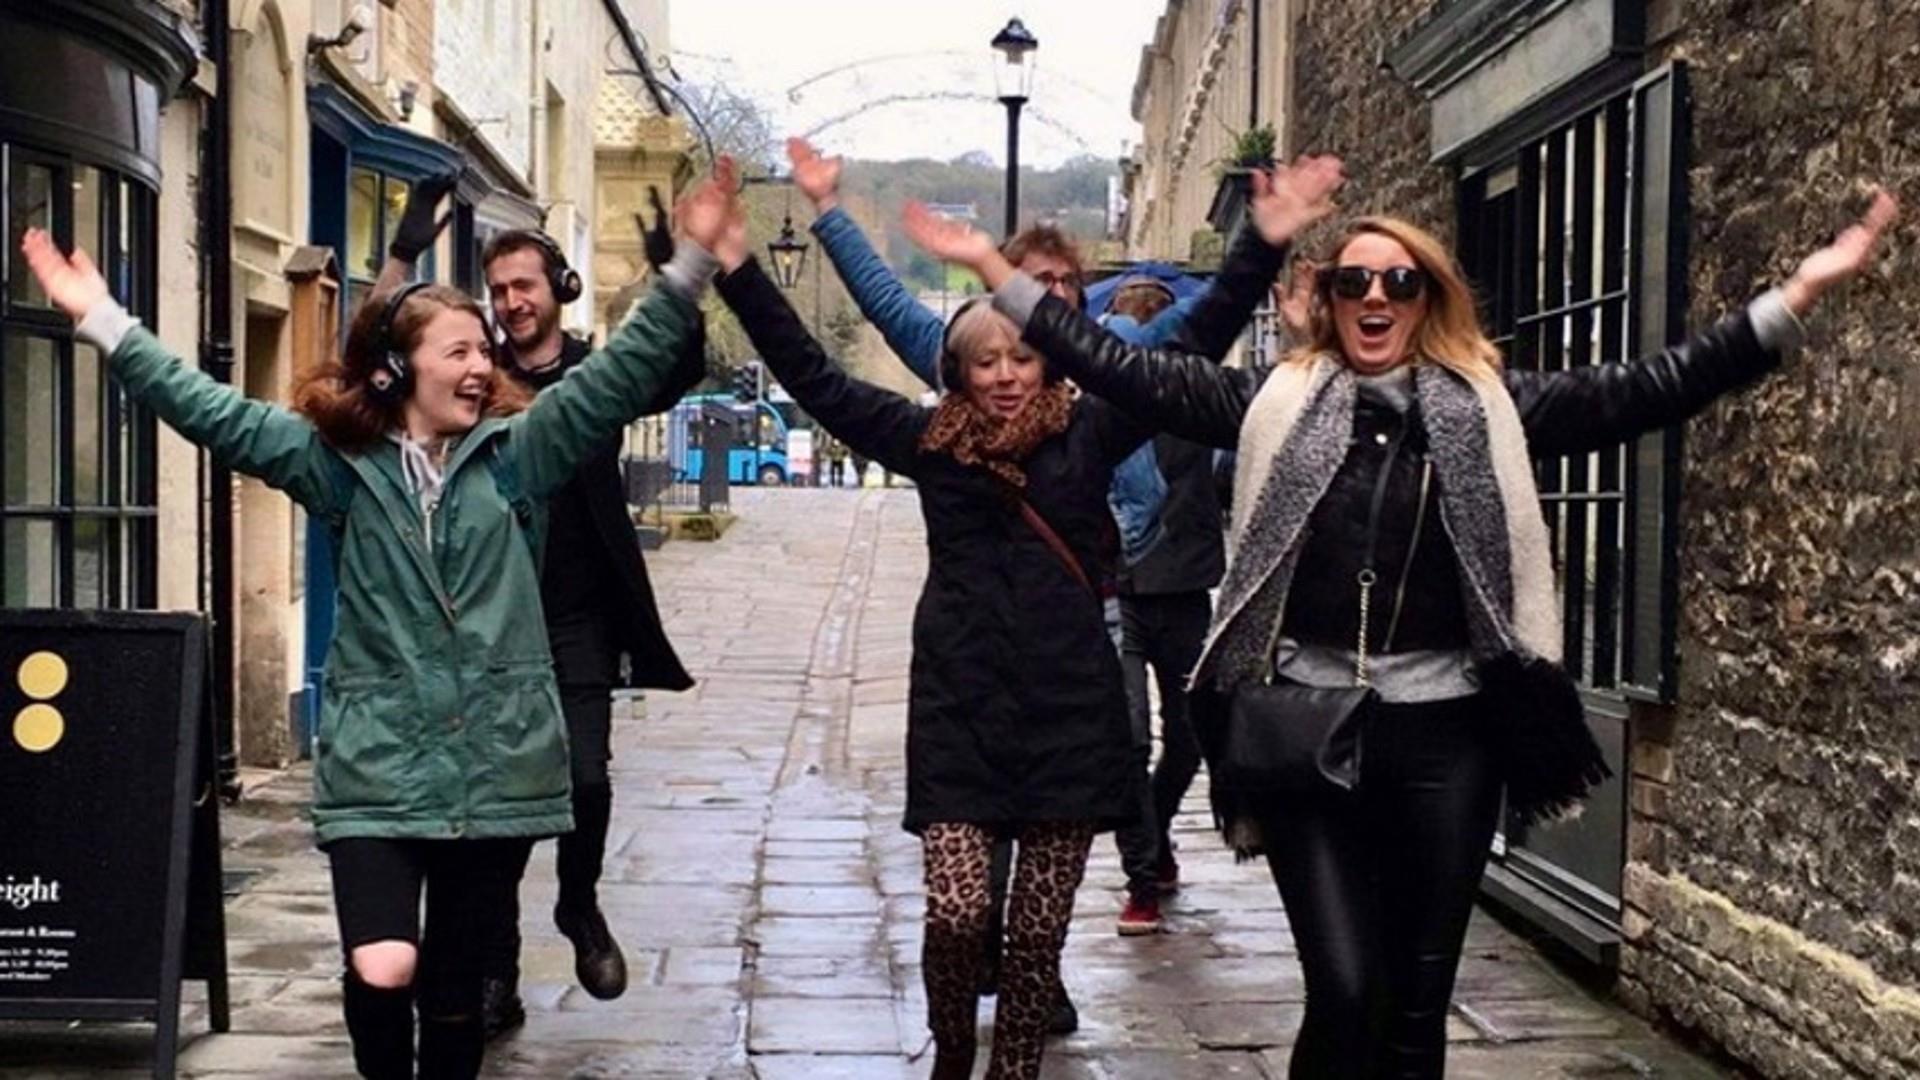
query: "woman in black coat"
1017, 721
1387, 534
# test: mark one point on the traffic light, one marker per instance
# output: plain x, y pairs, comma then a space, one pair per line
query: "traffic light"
746, 380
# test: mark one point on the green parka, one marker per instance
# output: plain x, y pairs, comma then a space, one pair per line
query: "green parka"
440, 717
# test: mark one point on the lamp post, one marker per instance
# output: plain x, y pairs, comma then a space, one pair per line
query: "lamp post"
1013, 81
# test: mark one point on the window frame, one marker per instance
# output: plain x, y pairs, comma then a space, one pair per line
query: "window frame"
125, 439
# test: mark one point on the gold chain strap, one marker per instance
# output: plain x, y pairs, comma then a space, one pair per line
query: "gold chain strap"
1366, 578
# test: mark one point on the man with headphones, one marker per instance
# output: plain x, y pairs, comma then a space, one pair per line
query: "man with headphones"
602, 621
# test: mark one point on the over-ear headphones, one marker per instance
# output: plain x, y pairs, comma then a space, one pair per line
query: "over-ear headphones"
947, 372
561, 276
390, 360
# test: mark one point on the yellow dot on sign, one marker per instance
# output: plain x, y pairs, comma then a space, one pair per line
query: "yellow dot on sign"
39, 728
43, 675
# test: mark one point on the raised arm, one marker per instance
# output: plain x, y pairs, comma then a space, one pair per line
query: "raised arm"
632, 375
875, 423
1282, 204
1212, 321
1173, 390
1591, 408
243, 434
911, 330
637, 371
1182, 393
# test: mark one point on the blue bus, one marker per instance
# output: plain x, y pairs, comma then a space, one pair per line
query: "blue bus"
759, 451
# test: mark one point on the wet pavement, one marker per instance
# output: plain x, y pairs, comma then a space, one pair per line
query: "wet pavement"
769, 902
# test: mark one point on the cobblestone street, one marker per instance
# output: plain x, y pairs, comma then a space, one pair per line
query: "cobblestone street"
769, 902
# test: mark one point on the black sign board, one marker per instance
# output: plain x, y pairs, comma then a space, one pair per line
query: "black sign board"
109, 829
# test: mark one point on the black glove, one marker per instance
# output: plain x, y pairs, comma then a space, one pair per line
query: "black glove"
421, 224
658, 238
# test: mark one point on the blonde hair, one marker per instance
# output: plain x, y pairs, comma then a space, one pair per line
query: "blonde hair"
975, 328
1450, 334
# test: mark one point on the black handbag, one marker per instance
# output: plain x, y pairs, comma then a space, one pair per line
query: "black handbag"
1285, 737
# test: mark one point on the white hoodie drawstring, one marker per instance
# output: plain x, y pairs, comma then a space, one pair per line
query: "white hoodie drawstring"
424, 478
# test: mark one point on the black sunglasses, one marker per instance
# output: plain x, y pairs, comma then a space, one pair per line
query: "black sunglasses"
1401, 283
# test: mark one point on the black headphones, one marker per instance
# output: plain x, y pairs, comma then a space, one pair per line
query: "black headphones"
947, 372
390, 360
562, 278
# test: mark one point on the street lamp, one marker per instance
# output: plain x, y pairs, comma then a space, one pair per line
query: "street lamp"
789, 254
1013, 81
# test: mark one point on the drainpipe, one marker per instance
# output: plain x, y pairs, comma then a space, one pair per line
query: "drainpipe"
216, 359
1253, 64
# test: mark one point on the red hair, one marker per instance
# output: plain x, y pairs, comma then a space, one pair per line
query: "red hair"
337, 394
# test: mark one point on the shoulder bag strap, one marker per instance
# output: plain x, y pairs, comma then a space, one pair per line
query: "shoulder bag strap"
1059, 547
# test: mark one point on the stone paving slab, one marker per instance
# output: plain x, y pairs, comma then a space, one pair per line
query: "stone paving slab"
770, 904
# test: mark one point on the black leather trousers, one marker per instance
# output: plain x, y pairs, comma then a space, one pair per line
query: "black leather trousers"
1378, 885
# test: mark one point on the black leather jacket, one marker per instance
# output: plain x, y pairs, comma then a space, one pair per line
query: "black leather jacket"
1563, 412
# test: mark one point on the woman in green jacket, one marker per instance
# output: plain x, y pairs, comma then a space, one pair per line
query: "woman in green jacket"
441, 744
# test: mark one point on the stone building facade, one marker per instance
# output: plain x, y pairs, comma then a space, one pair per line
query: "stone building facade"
1213, 71
1755, 875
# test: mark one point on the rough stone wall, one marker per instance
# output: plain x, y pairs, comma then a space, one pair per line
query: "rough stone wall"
1777, 908
1347, 104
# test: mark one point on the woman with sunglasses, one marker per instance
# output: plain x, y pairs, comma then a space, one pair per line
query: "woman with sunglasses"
1386, 531
441, 747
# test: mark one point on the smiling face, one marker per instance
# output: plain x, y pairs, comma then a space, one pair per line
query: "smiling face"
1056, 273
523, 301
1376, 333
1002, 377
451, 371
987, 362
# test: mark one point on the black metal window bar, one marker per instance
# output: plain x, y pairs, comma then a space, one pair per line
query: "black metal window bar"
78, 472
1557, 240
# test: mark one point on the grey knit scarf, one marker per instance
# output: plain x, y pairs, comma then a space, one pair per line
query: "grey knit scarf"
1293, 441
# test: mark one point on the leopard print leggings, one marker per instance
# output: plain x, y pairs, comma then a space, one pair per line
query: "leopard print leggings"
1052, 860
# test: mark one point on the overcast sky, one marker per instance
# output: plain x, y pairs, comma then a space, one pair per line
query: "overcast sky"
844, 67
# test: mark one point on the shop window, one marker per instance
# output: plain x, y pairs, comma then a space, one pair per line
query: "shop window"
375, 203
77, 483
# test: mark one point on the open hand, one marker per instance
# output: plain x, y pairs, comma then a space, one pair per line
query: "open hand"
1294, 196
946, 239
1294, 300
1851, 252
818, 178
702, 213
74, 285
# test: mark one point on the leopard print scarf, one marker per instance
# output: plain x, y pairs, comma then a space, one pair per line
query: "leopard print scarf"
962, 431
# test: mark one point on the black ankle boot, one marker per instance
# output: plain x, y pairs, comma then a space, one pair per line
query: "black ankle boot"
597, 961
380, 1023
1063, 1019
501, 1009
451, 1047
